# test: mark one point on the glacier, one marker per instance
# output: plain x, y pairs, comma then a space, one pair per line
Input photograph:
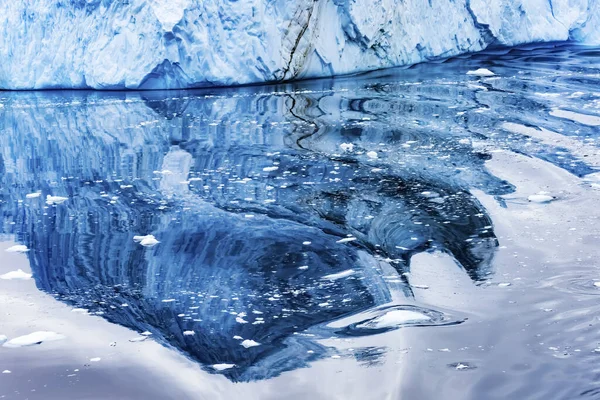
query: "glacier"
167, 44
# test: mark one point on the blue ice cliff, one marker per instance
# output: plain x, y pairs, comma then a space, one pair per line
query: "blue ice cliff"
149, 44
115, 44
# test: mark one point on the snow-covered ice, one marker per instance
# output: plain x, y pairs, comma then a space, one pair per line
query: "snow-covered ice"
18, 248
16, 275
33, 339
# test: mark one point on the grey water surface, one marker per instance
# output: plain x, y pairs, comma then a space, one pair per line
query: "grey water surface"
425, 233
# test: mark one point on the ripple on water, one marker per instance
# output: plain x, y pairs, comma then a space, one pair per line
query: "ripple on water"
384, 319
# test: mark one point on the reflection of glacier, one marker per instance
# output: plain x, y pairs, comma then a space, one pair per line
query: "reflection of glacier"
235, 184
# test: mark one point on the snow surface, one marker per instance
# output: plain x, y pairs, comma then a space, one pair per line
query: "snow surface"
33, 339
149, 44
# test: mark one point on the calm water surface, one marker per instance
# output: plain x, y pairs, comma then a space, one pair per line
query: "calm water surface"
371, 237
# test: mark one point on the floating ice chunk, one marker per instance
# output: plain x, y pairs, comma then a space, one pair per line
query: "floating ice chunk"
33, 339
306, 243
347, 146
80, 310
146, 333
339, 275
189, 333
3, 339
540, 198
270, 169
481, 72
372, 154
597, 284
138, 339
165, 300
420, 287
505, 284
222, 367
18, 248
95, 359
16, 275
146, 241
249, 343
33, 195
55, 199
236, 337
7, 371
398, 317
240, 320
347, 240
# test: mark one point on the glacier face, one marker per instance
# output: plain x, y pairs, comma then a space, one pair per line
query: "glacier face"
152, 44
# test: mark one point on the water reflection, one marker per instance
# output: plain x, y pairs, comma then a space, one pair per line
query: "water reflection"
278, 209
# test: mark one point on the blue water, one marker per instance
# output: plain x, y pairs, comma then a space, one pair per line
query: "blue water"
289, 215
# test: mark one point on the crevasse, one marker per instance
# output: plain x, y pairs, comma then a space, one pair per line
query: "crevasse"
158, 44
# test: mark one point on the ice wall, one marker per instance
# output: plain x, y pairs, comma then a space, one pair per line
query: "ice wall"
114, 44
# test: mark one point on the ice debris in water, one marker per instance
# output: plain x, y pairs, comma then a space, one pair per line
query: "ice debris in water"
146, 241
16, 275
481, 72
33, 195
347, 146
222, 367
95, 359
270, 169
6, 371
189, 333
339, 275
249, 343
397, 317
541, 198
504, 284
347, 240
55, 199
372, 154
33, 339
18, 248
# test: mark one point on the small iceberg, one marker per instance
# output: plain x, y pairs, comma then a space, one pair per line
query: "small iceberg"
16, 275
339, 275
146, 241
481, 72
18, 248
33, 195
541, 198
222, 367
347, 147
249, 343
51, 200
33, 339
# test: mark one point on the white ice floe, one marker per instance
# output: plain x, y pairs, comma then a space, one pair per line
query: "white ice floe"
372, 154
597, 284
398, 317
347, 240
540, 198
33, 195
504, 284
339, 275
347, 146
146, 241
95, 359
33, 339
146, 333
249, 343
7, 371
16, 275
55, 199
222, 367
481, 72
270, 169
18, 248
189, 333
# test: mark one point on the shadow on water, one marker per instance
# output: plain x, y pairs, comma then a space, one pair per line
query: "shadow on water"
278, 209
